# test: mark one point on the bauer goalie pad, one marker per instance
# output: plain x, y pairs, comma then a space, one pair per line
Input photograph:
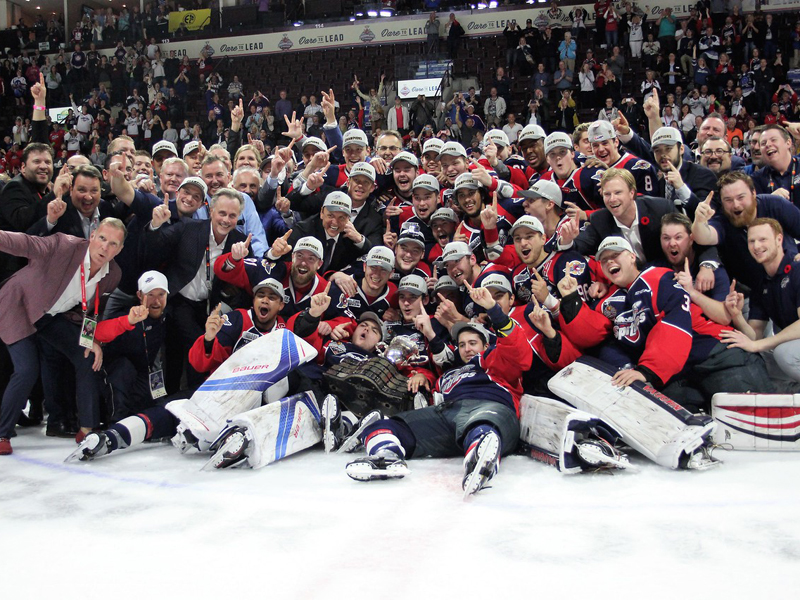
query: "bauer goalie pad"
276, 430
566, 438
646, 420
757, 421
251, 375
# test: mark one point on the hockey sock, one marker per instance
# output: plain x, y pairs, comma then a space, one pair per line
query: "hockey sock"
155, 422
474, 436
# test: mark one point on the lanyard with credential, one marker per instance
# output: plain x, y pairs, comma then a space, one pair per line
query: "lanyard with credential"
791, 182
84, 306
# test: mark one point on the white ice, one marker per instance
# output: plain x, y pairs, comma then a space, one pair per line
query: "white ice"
148, 523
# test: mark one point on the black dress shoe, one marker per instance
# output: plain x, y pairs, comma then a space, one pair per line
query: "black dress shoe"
61, 430
26, 421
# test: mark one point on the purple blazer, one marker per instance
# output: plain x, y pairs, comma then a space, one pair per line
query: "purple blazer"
26, 296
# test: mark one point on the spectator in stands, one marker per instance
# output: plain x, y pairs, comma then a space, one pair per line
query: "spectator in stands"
431, 29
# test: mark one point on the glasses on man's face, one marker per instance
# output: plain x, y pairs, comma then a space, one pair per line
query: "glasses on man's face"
388, 148
717, 152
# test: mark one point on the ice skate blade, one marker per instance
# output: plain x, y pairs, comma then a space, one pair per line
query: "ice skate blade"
352, 441
488, 454
230, 454
361, 470
594, 456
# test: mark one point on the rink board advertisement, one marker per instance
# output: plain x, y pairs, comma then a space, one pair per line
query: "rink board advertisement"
376, 31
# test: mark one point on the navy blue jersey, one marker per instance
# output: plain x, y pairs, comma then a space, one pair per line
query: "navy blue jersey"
343, 305
553, 270
778, 297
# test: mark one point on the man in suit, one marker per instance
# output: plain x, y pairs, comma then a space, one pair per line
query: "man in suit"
685, 183
309, 198
341, 240
84, 210
190, 248
65, 282
638, 220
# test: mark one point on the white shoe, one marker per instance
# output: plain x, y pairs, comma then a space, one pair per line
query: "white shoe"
481, 463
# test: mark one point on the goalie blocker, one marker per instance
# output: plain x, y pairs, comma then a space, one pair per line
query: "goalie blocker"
757, 421
646, 420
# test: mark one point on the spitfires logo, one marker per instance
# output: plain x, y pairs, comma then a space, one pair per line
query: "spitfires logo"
575, 268
285, 43
366, 35
641, 165
451, 379
267, 265
626, 325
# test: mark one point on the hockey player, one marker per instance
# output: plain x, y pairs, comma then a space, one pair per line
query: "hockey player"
373, 291
544, 200
453, 158
531, 144
478, 415
540, 271
485, 226
299, 277
424, 202
443, 227
606, 148
563, 170
430, 158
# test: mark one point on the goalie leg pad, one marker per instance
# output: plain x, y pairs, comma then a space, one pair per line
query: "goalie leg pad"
551, 430
757, 421
281, 428
647, 420
240, 383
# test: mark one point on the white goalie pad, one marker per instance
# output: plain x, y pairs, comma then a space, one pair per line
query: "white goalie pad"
281, 428
757, 421
251, 375
646, 420
550, 431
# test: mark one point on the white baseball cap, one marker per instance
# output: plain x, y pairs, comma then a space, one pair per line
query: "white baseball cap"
311, 244
666, 136
380, 256
532, 133
432, 145
498, 136
426, 182
447, 214
316, 142
354, 136
466, 181
600, 131
414, 284
615, 244
195, 181
338, 201
558, 139
407, 157
529, 222
411, 234
544, 188
271, 283
363, 168
455, 251
497, 280
471, 325
164, 145
452, 149
153, 280
190, 147
445, 282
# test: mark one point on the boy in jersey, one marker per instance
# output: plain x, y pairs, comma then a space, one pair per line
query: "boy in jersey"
453, 159
373, 291
478, 417
531, 145
424, 202
430, 157
443, 227
485, 230
545, 201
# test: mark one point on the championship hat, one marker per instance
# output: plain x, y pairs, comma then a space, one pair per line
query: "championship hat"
316, 142
338, 201
425, 182
414, 284
557, 139
407, 157
455, 251
365, 169
270, 283
164, 145
615, 244
153, 280
471, 326
190, 147
497, 281
354, 136
311, 244
380, 256
600, 131
544, 188
498, 136
528, 222
531, 133
452, 149
195, 181
666, 136
432, 145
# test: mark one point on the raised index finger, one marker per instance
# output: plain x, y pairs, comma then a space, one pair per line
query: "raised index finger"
248, 240
285, 236
709, 197
733, 286
327, 288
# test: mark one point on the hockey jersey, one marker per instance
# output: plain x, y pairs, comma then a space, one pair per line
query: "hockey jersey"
553, 270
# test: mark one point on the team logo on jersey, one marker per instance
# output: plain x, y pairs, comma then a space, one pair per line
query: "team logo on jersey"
336, 348
366, 35
626, 325
285, 43
575, 268
267, 265
342, 304
784, 282
225, 320
641, 165
452, 378
598, 175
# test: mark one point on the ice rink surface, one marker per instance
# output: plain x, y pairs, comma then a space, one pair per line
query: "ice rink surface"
148, 523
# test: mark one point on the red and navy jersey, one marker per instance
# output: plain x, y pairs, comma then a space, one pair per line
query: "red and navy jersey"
582, 188
237, 331
246, 273
654, 324
356, 270
343, 305
644, 172
409, 215
480, 239
552, 270
423, 361
495, 375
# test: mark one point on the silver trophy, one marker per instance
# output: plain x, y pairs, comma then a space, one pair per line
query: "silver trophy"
400, 350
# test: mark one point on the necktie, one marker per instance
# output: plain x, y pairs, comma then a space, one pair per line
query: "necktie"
329, 244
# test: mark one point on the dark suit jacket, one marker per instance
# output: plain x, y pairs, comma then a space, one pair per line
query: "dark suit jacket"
602, 224
21, 204
345, 251
180, 249
70, 222
32, 291
368, 223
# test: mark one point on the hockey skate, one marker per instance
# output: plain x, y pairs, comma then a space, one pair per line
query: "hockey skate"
597, 453
229, 449
331, 420
93, 445
375, 468
702, 460
481, 463
353, 441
